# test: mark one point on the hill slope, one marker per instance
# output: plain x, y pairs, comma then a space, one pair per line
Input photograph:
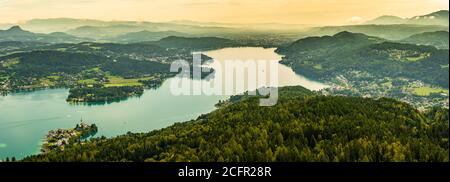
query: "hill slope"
301, 127
145, 35
438, 39
329, 56
435, 18
386, 20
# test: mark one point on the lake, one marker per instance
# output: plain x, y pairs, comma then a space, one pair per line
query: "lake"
26, 117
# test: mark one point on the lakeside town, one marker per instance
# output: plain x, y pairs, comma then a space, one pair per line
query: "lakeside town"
60, 138
361, 84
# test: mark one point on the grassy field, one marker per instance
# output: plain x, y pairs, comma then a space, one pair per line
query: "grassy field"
418, 58
388, 84
96, 69
116, 81
46, 82
10, 62
426, 91
87, 81
53, 77
406, 56
318, 66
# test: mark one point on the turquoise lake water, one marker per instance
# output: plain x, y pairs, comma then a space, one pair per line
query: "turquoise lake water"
25, 118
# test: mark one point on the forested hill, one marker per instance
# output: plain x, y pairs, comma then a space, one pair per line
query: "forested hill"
326, 57
330, 44
302, 127
438, 39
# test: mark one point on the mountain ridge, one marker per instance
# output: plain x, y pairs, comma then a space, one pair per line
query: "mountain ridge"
435, 18
16, 33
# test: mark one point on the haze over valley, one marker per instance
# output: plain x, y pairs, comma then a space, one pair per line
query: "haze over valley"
365, 86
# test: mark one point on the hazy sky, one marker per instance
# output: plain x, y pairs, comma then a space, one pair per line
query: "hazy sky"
236, 11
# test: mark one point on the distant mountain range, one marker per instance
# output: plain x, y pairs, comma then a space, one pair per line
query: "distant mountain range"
196, 43
390, 32
146, 36
387, 20
79, 30
104, 32
390, 27
97, 29
5, 26
435, 18
59, 24
69, 24
16, 33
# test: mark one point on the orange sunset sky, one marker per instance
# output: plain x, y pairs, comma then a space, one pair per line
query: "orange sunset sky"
318, 12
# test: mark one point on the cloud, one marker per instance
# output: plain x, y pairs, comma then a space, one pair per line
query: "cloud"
355, 20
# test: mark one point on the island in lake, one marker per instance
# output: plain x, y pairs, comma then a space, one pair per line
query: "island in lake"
103, 94
57, 140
